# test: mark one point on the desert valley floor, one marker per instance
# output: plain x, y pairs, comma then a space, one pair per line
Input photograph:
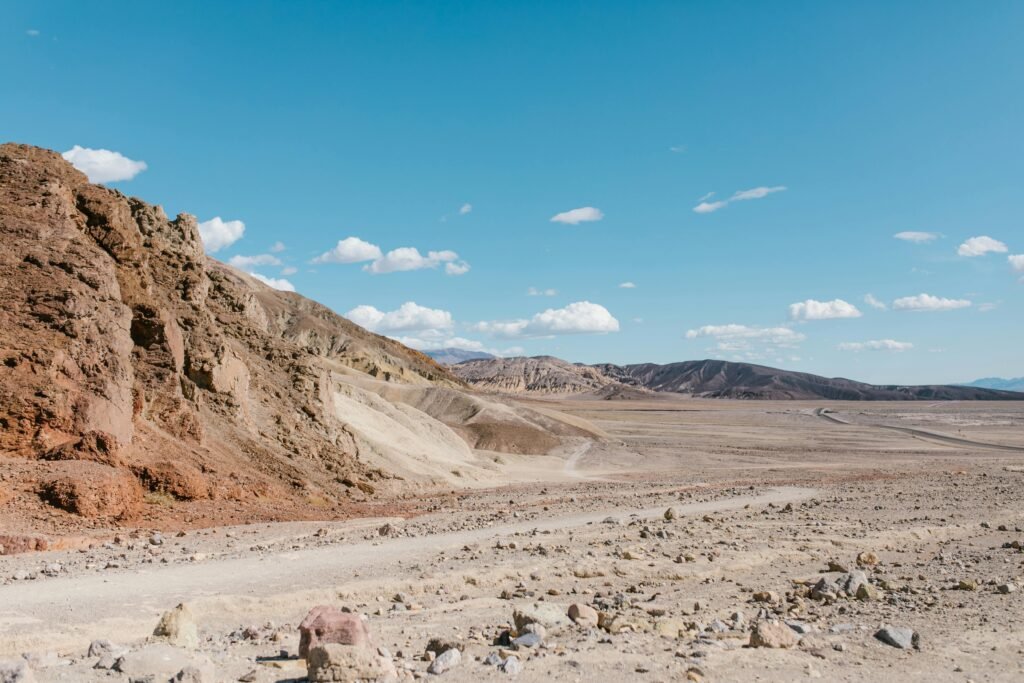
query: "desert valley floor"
833, 520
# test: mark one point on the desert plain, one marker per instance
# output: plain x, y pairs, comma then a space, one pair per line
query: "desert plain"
692, 539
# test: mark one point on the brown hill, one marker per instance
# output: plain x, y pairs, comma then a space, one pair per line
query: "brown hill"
536, 375
136, 372
704, 378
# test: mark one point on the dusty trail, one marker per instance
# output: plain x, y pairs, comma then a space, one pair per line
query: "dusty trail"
69, 612
944, 439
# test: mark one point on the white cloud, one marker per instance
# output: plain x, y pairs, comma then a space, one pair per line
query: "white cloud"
289, 270
709, 207
103, 165
465, 208
409, 258
989, 306
217, 234
409, 317
627, 285
1016, 262
981, 245
927, 302
706, 206
277, 247
735, 337
823, 310
350, 250
32, 33
876, 345
915, 236
533, 291
581, 317
246, 262
276, 283
756, 193
583, 214
871, 301
678, 149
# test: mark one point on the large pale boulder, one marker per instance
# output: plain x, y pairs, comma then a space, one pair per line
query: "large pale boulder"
178, 627
331, 662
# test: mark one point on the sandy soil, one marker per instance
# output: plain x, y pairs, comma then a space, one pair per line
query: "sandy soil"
766, 495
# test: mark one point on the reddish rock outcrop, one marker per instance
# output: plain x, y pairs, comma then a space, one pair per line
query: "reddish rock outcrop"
326, 624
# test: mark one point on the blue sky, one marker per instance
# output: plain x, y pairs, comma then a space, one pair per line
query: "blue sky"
463, 128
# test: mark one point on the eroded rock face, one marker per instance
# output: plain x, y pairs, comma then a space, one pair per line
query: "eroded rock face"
126, 353
94, 490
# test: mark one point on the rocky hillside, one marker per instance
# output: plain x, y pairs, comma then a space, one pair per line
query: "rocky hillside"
454, 356
705, 378
537, 375
140, 377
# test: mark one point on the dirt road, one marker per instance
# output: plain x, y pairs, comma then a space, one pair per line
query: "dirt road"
69, 612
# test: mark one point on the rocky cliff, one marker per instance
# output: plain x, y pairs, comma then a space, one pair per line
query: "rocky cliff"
135, 371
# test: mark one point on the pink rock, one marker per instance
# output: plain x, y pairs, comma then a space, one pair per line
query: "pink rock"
326, 624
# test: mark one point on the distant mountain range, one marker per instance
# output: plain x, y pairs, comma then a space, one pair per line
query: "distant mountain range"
1015, 384
452, 356
546, 375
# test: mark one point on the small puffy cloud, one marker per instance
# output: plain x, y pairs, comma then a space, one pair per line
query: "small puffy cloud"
277, 247
735, 337
103, 165
583, 214
409, 317
289, 270
627, 285
533, 291
756, 193
465, 208
276, 283
581, 317
823, 310
871, 301
350, 250
981, 245
876, 345
915, 236
409, 258
217, 233
709, 207
246, 262
927, 302
1016, 262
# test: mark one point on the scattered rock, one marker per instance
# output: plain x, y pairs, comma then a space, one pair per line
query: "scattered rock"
900, 637
774, 635
867, 559
547, 614
1005, 588
511, 666
584, 615
445, 661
